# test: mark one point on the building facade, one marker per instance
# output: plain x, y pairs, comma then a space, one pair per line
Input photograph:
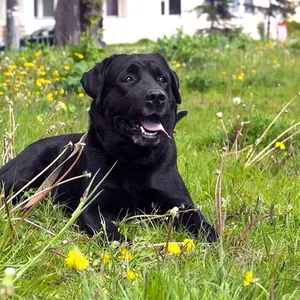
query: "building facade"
131, 20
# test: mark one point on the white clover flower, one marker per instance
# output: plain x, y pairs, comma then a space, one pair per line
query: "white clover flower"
220, 115
289, 208
9, 271
174, 211
236, 100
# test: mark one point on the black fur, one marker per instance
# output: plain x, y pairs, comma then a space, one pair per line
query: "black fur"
146, 173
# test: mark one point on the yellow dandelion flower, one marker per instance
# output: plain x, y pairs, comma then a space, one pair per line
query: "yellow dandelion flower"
275, 61
81, 95
39, 118
41, 68
248, 278
28, 64
125, 254
1, 93
39, 81
105, 258
7, 73
38, 53
49, 97
12, 67
55, 73
241, 76
178, 65
62, 105
173, 248
188, 244
79, 55
42, 73
23, 73
270, 43
61, 91
280, 145
75, 259
130, 274
67, 68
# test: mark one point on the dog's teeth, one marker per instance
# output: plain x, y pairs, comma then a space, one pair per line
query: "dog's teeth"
146, 133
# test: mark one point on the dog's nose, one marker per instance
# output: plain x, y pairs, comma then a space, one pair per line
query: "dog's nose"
155, 96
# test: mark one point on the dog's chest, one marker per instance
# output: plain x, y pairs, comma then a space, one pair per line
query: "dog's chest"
130, 193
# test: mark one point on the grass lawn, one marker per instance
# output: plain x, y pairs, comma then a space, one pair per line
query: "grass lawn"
258, 255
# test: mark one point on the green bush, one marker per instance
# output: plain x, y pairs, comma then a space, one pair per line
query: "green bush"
197, 49
293, 29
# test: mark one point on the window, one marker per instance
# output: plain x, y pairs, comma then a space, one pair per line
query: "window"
162, 7
174, 7
170, 7
112, 8
234, 6
249, 7
43, 8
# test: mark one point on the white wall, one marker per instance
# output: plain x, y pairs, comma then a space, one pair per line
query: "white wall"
28, 19
143, 19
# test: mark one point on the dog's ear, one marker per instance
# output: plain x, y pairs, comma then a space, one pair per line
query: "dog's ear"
180, 114
175, 86
93, 80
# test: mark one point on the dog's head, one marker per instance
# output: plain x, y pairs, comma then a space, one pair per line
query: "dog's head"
134, 105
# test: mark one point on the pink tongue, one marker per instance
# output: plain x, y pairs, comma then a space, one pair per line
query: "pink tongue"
151, 126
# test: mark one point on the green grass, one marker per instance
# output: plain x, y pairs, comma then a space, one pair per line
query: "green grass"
270, 248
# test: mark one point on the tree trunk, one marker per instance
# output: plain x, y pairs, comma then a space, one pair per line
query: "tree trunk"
67, 22
12, 24
91, 17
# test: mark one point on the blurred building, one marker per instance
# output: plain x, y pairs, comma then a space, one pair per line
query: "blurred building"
131, 20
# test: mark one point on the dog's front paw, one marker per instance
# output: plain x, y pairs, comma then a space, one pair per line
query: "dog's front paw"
209, 232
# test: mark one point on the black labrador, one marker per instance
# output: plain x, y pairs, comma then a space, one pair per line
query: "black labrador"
132, 118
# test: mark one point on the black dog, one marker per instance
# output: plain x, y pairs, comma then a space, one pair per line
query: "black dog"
132, 118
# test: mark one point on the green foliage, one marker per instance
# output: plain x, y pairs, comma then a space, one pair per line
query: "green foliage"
202, 83
212, 70
293, 29
261, 29
198, 49
217, 11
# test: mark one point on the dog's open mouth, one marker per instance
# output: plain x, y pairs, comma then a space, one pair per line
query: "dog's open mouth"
149, 127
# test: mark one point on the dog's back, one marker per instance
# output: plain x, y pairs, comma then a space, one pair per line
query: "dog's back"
16, 173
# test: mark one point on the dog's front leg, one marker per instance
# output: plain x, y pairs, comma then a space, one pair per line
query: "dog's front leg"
193, 220
94, 222
174, 193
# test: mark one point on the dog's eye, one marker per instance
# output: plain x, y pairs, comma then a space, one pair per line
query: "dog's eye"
128, 79
162, 79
